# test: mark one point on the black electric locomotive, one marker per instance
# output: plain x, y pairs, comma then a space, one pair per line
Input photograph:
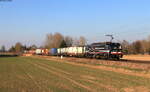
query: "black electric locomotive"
105, 50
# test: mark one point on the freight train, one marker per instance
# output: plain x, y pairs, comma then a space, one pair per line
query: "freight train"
103, 50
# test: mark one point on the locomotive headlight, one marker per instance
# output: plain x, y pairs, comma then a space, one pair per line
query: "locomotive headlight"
119, 52
116, 52
120, 47
113, 52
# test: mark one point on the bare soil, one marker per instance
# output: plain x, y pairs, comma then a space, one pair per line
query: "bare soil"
137, 57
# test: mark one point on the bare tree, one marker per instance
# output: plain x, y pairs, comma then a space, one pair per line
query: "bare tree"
75, 42
33, 47
12, 49
18, 47
145, 46
69, 41
49, 41
82, 41
137, 47
63, 44
148, 45
125, 46
3, 49
53, 41
58, 38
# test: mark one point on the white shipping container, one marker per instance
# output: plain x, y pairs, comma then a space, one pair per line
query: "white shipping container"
74, 50
38, 51
69, 50
63, 50
81, 50
59, 50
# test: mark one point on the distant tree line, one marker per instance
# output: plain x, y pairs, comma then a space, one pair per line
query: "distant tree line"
57, 40
136, 47
19, 48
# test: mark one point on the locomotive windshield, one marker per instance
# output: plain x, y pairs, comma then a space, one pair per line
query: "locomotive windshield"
105, 46
115, 46
99, 46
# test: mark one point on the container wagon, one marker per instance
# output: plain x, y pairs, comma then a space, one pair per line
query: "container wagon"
38, 51
53, 51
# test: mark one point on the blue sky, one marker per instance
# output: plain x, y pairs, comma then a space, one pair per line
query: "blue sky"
28, 21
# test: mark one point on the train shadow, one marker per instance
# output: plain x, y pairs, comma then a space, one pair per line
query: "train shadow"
135, 61
8, 55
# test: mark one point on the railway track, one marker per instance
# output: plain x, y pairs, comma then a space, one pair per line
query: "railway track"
115, 60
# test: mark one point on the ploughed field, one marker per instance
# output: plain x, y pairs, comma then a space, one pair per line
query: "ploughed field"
137, 57
49, 74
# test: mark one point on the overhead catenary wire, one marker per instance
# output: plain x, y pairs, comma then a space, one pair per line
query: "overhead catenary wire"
124, 33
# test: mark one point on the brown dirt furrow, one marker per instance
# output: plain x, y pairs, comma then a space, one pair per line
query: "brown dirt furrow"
108, 87
30, 77
53, 68
136, 89
64, 86
40, 89
86, 78
119, 70
65, 77
33, 80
